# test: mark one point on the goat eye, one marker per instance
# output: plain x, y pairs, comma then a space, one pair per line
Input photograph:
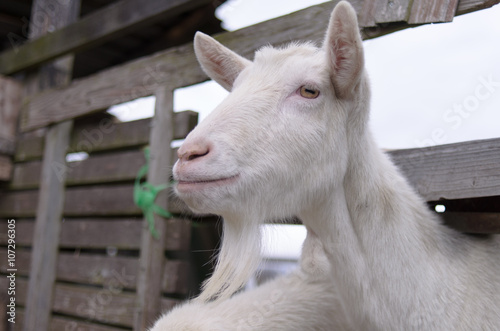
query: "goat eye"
308, 92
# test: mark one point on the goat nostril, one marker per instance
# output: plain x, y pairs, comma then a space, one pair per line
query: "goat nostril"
196, 155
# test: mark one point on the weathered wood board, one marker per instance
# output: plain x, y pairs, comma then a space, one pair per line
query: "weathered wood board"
106, 304
152, 256
455, 171
100, 200
102, 25
93, 269
106, 135
114, 167
63, 323
101, 168
95, 233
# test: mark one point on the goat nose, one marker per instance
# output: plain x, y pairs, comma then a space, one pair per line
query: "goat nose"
191, 151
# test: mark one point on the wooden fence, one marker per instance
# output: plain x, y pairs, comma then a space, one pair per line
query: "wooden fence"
85, 258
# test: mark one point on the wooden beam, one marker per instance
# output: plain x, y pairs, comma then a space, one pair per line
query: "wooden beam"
55, 14
114, 20
152, 258
455, 171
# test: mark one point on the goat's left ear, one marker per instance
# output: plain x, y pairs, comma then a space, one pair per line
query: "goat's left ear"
219, 62
344, 49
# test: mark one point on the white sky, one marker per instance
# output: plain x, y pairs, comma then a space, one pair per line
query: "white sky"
428, 83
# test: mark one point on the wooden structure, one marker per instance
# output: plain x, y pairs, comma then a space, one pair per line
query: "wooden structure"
85, 259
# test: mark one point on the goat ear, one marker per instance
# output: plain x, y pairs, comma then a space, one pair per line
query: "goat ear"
344, 49
219, 62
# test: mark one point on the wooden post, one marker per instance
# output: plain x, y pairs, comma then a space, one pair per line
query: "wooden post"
48, 15
152, 258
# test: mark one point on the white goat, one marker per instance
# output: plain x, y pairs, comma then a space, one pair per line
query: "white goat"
292, 138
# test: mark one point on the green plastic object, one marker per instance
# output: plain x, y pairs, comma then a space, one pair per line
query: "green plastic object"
145, 196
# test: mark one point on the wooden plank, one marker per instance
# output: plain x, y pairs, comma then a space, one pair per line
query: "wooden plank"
101, 168
90, 304
98, 233
10, 107
101, 233
110, 22
106, 135
432, 11
18, 204
116, 200
5, 168
23, 259
454, 171
24, 233
122, 234
113, 200
152, 258
473, 222
106, 305
63, 323
118, 271
112, 167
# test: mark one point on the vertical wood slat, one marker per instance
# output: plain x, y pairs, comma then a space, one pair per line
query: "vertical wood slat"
47, 228
152, 256
50, 15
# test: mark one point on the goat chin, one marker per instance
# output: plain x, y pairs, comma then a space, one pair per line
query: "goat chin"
238, 259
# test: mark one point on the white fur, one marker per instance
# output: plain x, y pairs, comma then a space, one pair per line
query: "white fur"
386, 262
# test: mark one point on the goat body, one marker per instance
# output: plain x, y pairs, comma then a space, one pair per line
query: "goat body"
292, 139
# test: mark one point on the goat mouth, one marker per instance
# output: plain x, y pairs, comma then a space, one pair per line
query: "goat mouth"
185, 186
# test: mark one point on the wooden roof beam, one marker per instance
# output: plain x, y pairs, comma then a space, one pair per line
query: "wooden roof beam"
93, 29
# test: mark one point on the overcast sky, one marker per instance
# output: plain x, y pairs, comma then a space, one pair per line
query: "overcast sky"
434, 84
